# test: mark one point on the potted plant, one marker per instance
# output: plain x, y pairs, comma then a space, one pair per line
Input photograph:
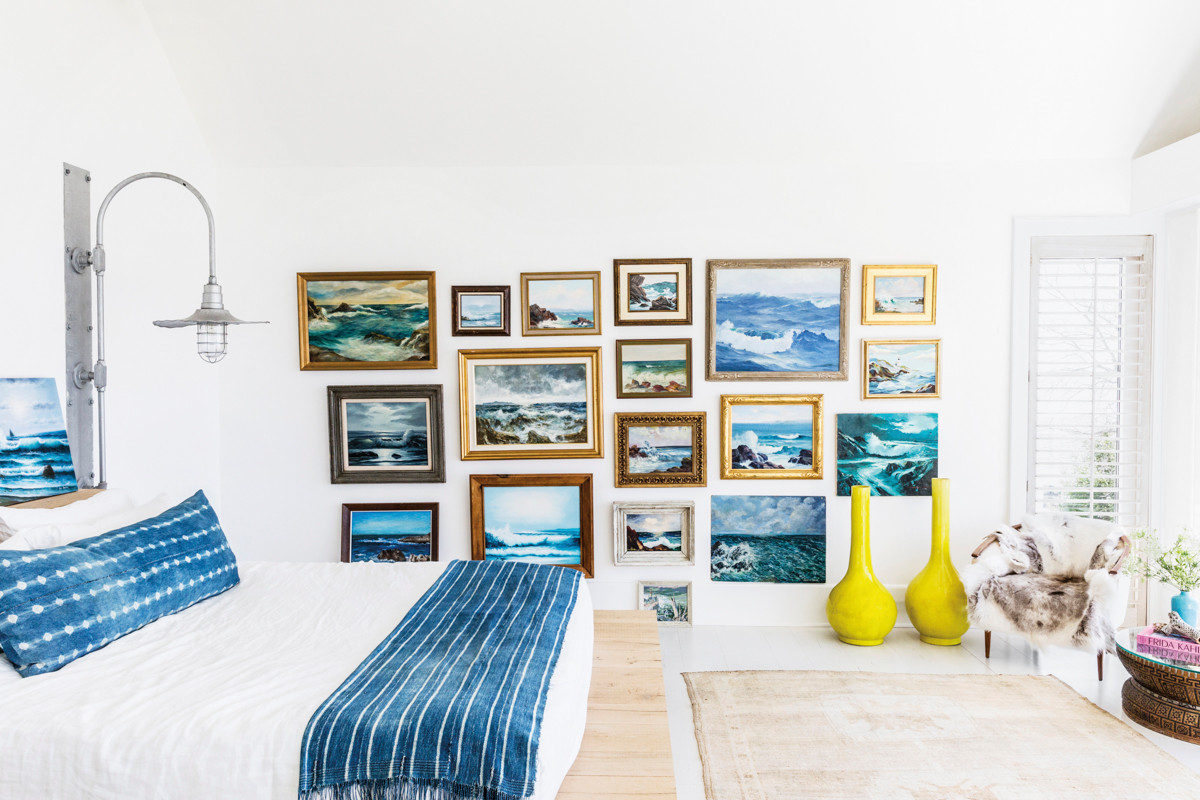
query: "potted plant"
1177, 566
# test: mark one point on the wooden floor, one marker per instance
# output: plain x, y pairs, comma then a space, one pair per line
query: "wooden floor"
626, 750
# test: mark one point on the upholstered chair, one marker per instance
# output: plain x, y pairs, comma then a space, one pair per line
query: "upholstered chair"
1054, 579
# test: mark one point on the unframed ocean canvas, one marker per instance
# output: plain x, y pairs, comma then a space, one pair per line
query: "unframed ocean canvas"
768, 539
894, 454
35, 456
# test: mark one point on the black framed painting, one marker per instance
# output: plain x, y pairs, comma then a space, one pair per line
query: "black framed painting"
386, 434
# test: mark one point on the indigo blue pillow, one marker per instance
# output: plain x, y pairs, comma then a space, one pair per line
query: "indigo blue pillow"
62, 603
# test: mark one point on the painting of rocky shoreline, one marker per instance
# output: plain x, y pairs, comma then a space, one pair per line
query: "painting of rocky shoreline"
767, 539
769, 436
901, 369
560, 302
389, 532
894, 454
670, 601
654, 368
35, 455
652, 291
368, 321
660, 449
653, 533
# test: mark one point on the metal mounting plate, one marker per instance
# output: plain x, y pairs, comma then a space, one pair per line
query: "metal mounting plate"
77, 234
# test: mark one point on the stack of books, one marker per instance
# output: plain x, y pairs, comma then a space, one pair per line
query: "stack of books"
1172, 648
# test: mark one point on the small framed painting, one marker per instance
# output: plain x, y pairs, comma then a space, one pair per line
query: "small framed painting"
480, 310
660, 449
772, 436
902, 368
386, 434
530, 403
560, 303
654, 533
545, 519
896, 455
390, 532
654, 368
899, 295
767, 539
670, 600
652, 291
778, 319
367, 320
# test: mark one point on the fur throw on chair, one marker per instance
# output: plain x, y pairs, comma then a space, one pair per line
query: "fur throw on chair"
1053, 581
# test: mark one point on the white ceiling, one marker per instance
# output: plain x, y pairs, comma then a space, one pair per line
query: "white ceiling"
400, 82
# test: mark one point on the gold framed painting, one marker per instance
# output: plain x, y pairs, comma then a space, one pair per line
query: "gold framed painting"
367, 320
660, 449
772, 436
899, 294
898, 368
652, 291
530, 403
560, 303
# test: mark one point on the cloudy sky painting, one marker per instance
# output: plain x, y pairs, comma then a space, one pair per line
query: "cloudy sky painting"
369, 293
529, 384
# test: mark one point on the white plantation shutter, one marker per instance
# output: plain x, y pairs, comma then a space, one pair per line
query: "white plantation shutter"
1089, 377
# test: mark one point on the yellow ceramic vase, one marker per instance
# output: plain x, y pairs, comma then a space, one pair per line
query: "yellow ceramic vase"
936, 601
860, 609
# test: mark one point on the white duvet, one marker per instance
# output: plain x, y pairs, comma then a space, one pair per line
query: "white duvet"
212, 702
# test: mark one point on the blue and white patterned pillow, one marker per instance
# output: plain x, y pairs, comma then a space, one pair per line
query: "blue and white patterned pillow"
62, 603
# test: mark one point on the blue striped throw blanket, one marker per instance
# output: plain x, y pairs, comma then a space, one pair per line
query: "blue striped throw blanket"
450, 704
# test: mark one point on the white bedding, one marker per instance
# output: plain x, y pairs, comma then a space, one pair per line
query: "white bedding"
212, 702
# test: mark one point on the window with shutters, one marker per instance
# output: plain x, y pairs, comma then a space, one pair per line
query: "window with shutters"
1089, 377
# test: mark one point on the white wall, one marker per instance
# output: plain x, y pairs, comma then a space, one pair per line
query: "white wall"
479, 225
86, 83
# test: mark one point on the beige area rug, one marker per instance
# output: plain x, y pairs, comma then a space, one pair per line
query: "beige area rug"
776, 735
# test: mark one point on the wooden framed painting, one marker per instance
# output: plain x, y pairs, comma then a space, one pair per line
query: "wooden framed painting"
560, 303
530, 403
480, 310
658, 368
901, 368
671, 601
386, 434
652, 291
778, 319
896, 455
660, 449
390, 532
772, 436
545, 519
654, 533
367, 320
767, 539
899, 294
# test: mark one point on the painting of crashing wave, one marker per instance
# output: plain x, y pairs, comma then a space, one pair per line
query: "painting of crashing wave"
908, 368
894, 454
767, 539
899, 294
35, 456
367, 320
778, 319
660, 449
652, 291
670, 601
390, 532
387, 434
546, 519
772, 436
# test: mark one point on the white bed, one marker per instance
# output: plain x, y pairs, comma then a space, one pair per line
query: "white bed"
212, 702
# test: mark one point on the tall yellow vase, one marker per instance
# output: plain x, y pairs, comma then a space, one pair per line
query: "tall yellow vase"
936, 601
860, 609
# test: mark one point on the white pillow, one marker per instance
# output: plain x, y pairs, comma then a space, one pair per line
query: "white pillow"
15, 542
5, 531
101, 504
44, 536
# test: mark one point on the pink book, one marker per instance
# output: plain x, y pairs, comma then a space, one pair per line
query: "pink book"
1174, 646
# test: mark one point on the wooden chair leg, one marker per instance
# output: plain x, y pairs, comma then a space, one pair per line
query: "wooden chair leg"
987, 644
1100, 665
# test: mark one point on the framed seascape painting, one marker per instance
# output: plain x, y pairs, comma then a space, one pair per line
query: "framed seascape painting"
654, 368
35, 455
671, 601
652, 291
766, 539
899, 295
546, 519
390, 532
530, 403
558, 303
660, 449
367, 320
386, 434
653, 533
772, 436
778, 319
902, 368
480, 310
894, 454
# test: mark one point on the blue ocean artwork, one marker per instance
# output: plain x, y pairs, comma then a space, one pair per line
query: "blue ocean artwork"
771, 437
532, 523
658, 449
562, 303
401, 535
778, 320
544, 404
902, 368
383, 320
768, 539
480, 310
387, 434
899, 294
660, 531
654, 368
35, 456
894, 454
653, 292
668, 601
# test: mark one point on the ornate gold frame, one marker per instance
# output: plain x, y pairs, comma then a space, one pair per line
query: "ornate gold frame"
728, 401
622, 477
872, 317
526, 277
466, 416
937, 369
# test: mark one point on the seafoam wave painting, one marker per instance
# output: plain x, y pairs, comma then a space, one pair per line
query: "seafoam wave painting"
532, 523
898, 369
542, 404
768, 539
387, 434
368, 320
35, 455
893, 454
